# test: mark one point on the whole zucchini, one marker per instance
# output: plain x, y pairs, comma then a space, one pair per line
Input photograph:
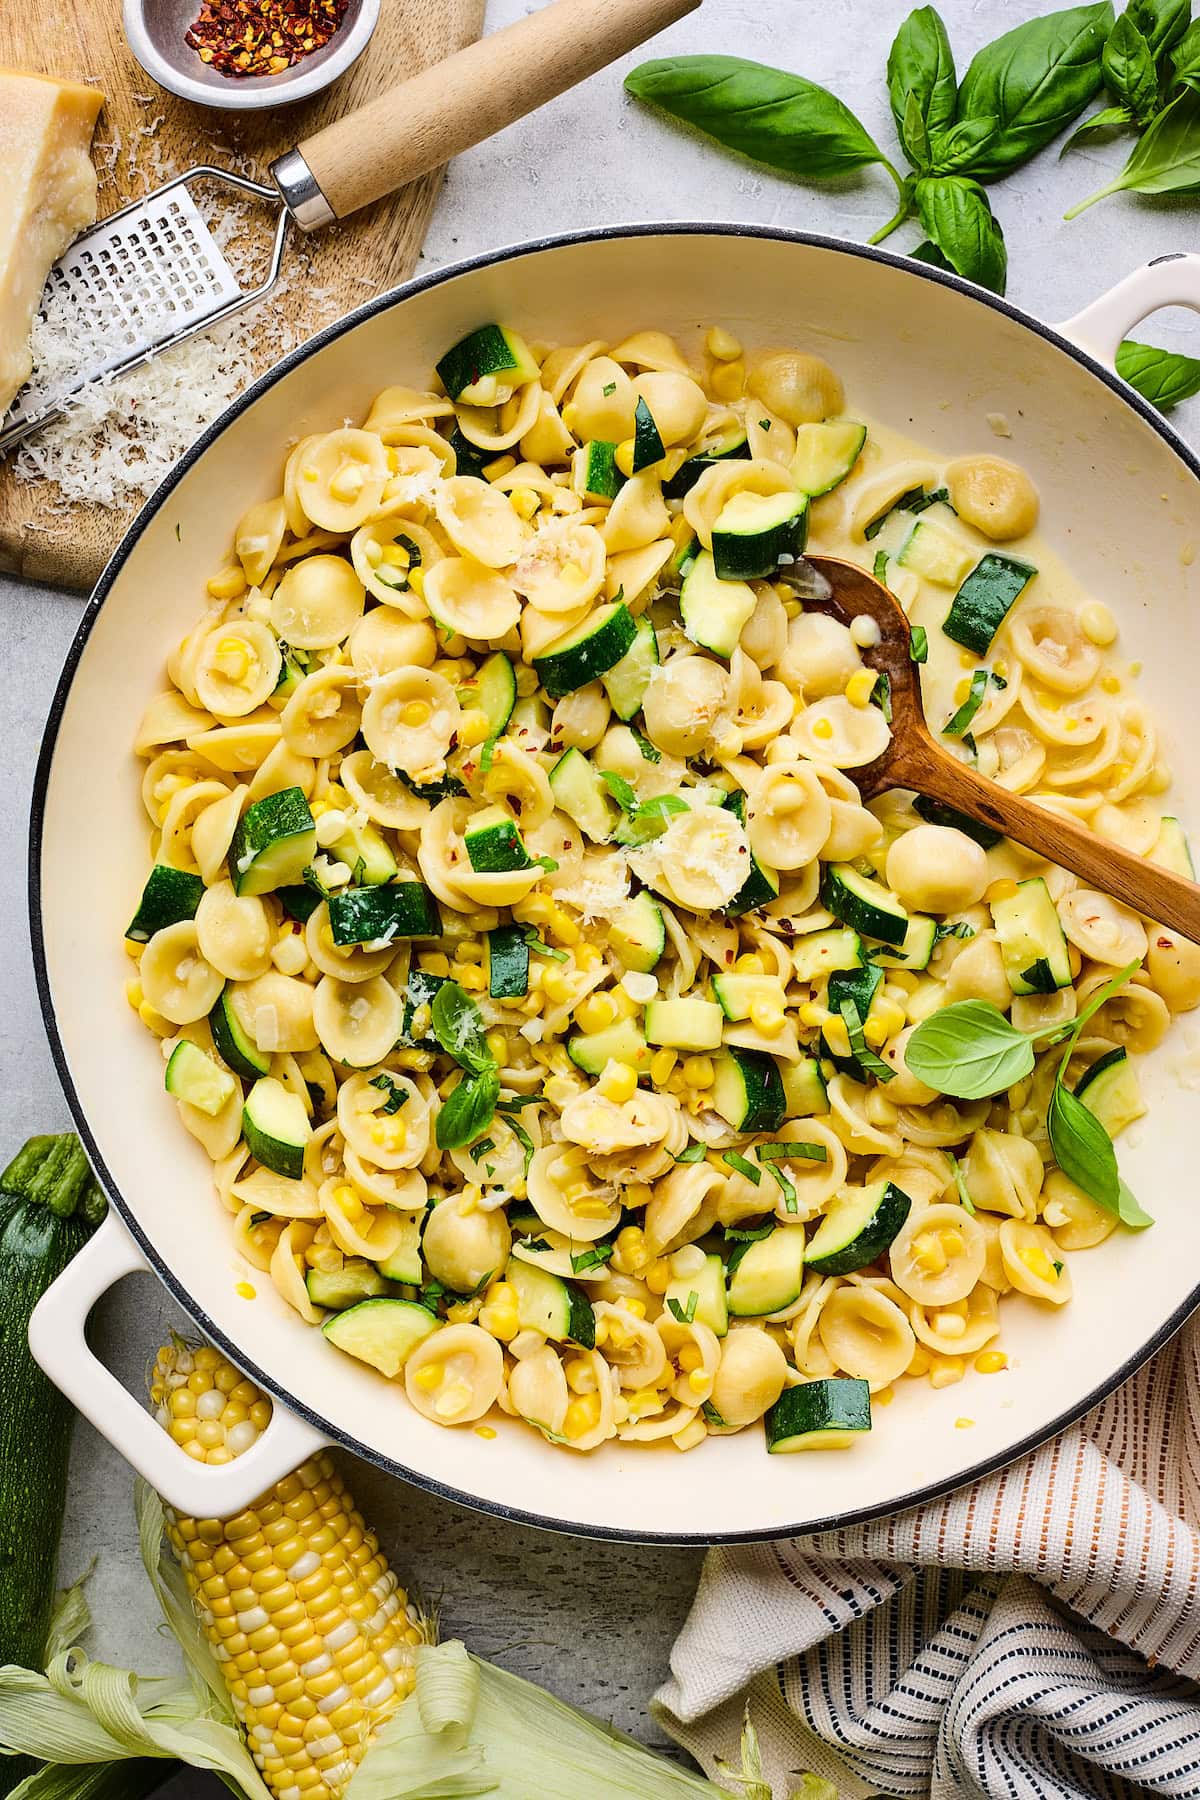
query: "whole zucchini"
49, 1205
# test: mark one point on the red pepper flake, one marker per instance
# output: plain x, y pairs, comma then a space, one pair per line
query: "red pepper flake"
262, 37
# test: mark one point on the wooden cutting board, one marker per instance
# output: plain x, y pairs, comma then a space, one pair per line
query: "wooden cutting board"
331, 271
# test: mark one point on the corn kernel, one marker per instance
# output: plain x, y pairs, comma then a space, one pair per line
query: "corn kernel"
429, 1376
963, 1424
473, 728
618, 1083
950, 1325
1038, 1263
812, 1013
875, 1032
470, 976
698, 1071
525, 502
556, 986
721, 345
582, 1416
662, 1065
570, 415
1110, 684
729, 380
587, 956
990, 1362
928, 1254
861, 686
750, 964
946, 1371
952, 1242
1001, 890
1097, 624
766, 1017
416, 713
699, 1381
837, 1036
823, 728
629, 1250
596, 1013
623, 456
658, 1276
921, 1362
435, 963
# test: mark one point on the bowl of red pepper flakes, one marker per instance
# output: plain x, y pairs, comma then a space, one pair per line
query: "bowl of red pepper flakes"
248, 54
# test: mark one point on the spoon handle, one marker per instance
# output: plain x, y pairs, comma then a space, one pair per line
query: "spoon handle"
1153, 891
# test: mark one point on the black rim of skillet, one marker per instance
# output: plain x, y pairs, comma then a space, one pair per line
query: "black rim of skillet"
916, 271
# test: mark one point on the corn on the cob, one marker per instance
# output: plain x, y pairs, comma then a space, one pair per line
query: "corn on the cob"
313, 1633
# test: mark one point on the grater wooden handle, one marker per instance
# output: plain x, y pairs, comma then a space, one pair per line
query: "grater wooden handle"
471, 95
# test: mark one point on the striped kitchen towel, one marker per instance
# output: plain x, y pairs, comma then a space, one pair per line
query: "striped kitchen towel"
1036, 1634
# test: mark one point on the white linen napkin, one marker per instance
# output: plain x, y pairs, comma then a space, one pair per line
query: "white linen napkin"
1036, 1634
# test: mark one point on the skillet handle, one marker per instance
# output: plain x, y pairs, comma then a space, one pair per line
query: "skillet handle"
1172, 280
56, 1337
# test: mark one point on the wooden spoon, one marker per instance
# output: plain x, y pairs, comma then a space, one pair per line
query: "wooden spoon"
914, 759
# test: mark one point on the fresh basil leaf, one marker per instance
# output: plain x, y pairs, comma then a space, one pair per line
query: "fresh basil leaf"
786, 1187
1185, 58
768, 114
621, 790
691, 1153
523, 1138
918, 644
743, 1167
1130, 1212
799, 1148
396, 1095
1161, 22
512, 1103
920, 66
881, 696
594, 1257
969, 1050
956, 151
459, 1028
1034, 80
540, 947
1128, 64
650, 752
955, 214
1165, 159
684, 1314
863, 1055
914, 134
1103, 124
879, 566
750, 1234
956, 725
1161, 376
929, 253
712, 1416
1083, 1149
1070, 1030
468, 1109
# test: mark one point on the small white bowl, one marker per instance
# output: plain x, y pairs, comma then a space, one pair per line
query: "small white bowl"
157, 34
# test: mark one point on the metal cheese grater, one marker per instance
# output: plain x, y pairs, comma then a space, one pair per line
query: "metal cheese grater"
152, 274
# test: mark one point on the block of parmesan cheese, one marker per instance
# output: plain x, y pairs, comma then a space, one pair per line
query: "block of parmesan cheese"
47, 197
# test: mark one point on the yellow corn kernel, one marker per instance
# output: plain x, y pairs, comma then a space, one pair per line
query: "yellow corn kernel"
721, 345
921, 1362
618, 1083
464, 1312
435, 963
690, 1359
928, 1254
966, 659
1110, 684
990, 1362
1001, 890
951, 1240
946, 1371
485, 1431
1097, 624
473, 728
861, 686
556, 987
629, 1250
699, 1381
233, 658
1038, 1263
950, 1325
429, 1376
587, 956
470, 976
813, 1013
525, 502
837, 1036
729, 380
750, 964
389, 1133
766, 1017
643, 1401
416, 713
662, 1065
133, 993
570, 415
497, 1043
500, 1322
963, 1424
154, 1021
623, 456
823, 728
636, 1307
581, 1377
228, 583
658, 1276
416, 582
501, 466
582, 1416
596, 1012
698, 1071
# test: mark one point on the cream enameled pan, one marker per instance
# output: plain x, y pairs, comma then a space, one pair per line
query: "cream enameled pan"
1120, 499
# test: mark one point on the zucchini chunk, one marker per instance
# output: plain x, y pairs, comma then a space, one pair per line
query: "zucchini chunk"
689, 1024
369, 915
934, 813
863, 904
982, 602
234, 1044
648, 447
710, 1306
1032, 941
826, 951
638, 933
713, 611
857, 1228
769, 1275
273, 843
365, 851
492, 690
594, 471
936, 552
732, 446
494, 843
404, 1264
586, 652
859, 987
915, 951
761, 885
1171, 850
736, 994
755, 533
194, 1077
579, 791
483, 368
169, 897
626, 682
336, 1289
747, 1090
819, 1415
276, 1127
383, 1333
299, 902
547, 1303
508, 962
804, 1090
1111, 1092
825, 455
622, 1042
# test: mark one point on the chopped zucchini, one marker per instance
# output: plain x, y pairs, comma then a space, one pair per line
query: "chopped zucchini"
804, 1091
638, 933
483, 368
830, 1414
169, 897
857, 1228
1032, 941
336, 1289
579, 791
626, 682
547, 1303
825, 454
193, 1076
622, 1042
754, 534
825, 951
736, 994
865, 905
494, 843
383, 1333
710, 1306
299, 902
594, 471
365, 851
689, 473
404, 1263
492, 690
689, 1024
983, 600
276, 1127
858, 986
940, 554
418, 995
233, 1042
761, 885
648, 447
273, 843
769, 1275
508, 962
1171, 850
1111, 1092
713, 611
382, 915
587, 651
747, 1090
915, 951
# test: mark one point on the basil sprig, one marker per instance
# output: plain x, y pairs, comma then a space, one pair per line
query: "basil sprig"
1151, 68
460, 1030
1161, 376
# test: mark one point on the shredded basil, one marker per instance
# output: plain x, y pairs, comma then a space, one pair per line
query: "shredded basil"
685, 1314
742, 1166
396, 1095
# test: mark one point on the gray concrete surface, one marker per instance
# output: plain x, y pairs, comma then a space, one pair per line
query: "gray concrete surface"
594, 1622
